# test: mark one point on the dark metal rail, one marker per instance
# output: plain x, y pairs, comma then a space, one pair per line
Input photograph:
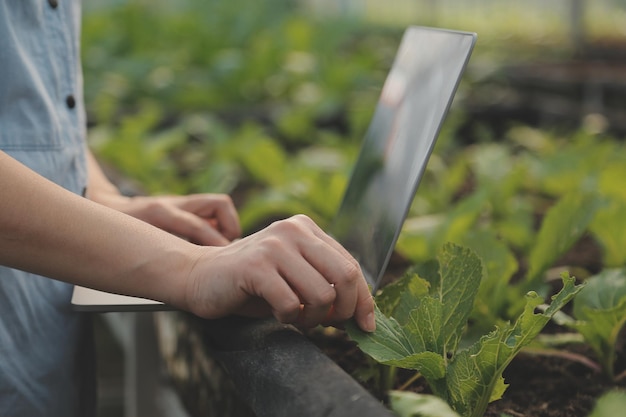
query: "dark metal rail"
279, 372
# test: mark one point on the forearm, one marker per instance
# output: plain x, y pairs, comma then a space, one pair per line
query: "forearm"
50, 231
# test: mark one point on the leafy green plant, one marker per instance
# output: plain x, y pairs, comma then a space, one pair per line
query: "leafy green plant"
507, 190
562, 226
421, 319
600, 314
498, 299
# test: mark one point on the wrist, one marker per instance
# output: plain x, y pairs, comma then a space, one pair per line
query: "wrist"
170, 274
107, 196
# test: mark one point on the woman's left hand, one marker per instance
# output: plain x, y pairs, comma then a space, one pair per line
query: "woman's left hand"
204, 219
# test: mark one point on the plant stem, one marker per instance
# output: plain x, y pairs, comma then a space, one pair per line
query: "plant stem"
619, 377
409, 381
388, 375
574, 357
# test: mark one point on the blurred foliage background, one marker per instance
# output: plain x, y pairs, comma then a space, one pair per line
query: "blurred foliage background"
268, 101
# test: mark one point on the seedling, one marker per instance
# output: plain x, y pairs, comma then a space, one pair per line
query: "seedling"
600, 315
421, 318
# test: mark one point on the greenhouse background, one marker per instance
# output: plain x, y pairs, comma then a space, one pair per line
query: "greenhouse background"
269, 100
571, 21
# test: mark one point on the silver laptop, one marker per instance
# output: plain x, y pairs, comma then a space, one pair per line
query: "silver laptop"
413, 103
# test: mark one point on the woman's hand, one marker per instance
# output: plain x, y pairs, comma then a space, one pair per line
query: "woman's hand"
291, 269
204, 219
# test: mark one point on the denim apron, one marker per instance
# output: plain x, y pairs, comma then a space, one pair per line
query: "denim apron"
46, 350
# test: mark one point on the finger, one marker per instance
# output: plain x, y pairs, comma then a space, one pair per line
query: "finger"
353, 296
340, 274
363, 307
300, 283
228, 220
283, 301
218, 207
321, 234
315, 293
364, 314
192, 227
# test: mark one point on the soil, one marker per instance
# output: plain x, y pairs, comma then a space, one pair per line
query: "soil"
549, 387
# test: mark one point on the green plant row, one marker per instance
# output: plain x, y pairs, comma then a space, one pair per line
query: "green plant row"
242, 59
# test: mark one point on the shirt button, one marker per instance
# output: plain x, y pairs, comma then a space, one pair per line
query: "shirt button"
70, 101
53, 3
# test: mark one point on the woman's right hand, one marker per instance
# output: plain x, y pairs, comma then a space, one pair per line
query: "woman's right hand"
291, 270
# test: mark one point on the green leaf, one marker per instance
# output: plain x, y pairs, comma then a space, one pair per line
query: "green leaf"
435, 321
610, 404
262, 157
425, 326
600, 309
461, 273
499, 265
399, 298
409, 404
608, 228
612, 174
562, 226
602, 292
498, 262
460, 219
474, 376
389, 341
390, 344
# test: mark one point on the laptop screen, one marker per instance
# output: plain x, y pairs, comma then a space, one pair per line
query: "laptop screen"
414, 100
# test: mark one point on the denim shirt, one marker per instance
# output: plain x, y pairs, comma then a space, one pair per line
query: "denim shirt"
46, 361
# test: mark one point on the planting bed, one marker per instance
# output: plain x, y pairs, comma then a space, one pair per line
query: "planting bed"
559, 383
550, 387
539, 386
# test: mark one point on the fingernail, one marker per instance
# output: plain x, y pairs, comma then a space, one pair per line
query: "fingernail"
370, 323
